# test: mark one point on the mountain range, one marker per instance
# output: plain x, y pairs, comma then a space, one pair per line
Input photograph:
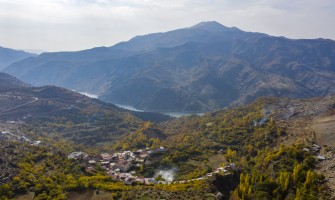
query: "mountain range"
9, 56
201, 68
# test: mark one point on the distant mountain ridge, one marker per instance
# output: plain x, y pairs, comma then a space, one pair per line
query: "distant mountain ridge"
200, 33
201, 68
8, 82
9, 56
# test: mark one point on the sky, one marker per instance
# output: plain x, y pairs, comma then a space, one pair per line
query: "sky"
70, 25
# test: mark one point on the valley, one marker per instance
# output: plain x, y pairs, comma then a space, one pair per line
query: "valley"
203, 112
172, 114
200, 149
131, 108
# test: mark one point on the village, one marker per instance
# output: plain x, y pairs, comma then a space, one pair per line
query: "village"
118, 166
121, 166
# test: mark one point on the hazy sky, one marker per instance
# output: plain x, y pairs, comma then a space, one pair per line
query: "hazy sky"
56, 25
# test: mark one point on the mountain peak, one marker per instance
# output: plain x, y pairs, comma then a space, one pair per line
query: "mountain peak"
210, 26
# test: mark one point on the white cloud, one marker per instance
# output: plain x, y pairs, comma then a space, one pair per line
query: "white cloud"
79, 24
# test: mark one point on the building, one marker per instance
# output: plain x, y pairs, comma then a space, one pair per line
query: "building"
231, 167
112, 165
123, 166
92, 162
106, 156
321, 158
105, 163
128, 180
161, 149
144, 156
149, 181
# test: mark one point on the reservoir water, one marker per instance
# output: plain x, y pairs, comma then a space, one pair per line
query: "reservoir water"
172, 114
128, 107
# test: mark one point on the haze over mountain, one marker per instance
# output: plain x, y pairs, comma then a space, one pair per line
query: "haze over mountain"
204, 67
9, 56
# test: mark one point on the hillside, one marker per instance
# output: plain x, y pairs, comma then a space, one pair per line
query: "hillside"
275, 129
8, 82
272, 142
201, 68
53, 112
9, 56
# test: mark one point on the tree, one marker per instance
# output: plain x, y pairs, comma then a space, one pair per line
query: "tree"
231, 155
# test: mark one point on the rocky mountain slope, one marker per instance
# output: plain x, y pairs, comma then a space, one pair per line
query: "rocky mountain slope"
200, 68
9, 56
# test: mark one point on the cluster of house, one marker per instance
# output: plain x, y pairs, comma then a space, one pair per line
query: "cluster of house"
130, 178
221, 170
118, 165
225, 169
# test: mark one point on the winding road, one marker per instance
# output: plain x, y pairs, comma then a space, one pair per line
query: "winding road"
15, 107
